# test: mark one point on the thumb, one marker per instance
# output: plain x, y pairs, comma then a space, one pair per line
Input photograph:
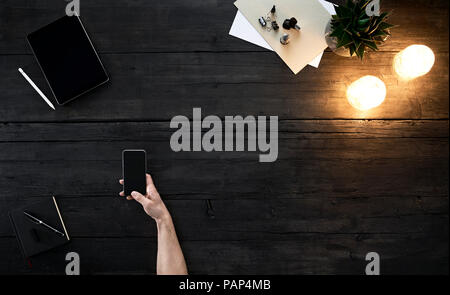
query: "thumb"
139, 197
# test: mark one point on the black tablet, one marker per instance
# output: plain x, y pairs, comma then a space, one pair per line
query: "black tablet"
67, 58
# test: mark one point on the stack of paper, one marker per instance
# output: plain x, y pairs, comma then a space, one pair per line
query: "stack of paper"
246, 30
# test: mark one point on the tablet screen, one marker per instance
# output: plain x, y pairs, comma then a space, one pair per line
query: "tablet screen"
67, 58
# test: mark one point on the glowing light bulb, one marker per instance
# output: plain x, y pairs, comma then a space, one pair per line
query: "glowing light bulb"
413, 61
366, 93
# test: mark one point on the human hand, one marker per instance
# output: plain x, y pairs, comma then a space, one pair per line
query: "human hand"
151, 202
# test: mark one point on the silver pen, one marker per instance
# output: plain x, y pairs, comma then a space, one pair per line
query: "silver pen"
40, 222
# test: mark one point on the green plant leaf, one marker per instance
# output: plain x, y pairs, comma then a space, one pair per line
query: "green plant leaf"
343, 11
337, 32
352, 49
344, 40
375, 24
360, 51
379, 33
364, 3
371, 45
362, 23
382, 16
357, 43
350, 4
384, 26
337, 17
348, 32
373, 29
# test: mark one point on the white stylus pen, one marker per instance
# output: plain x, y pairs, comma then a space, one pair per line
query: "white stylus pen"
36, 88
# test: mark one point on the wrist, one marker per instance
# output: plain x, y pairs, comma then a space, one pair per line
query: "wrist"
164, 219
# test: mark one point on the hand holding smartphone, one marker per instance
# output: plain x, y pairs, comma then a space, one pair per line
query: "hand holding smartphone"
134, 167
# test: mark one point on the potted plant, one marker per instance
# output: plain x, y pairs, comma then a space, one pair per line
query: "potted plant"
352, 32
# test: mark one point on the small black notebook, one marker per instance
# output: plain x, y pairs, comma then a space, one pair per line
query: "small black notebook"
35, 238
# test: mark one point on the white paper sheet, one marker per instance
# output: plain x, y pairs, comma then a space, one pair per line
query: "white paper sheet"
242, 29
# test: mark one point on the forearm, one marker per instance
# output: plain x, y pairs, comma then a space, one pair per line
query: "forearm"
170, 259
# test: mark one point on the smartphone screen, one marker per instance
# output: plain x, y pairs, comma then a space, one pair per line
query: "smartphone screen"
134, 168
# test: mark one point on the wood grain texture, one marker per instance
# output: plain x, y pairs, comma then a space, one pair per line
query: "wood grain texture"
310, 254
159, 86
195, 25
270, 219
160, 131
310, 162
279, 202
345, 182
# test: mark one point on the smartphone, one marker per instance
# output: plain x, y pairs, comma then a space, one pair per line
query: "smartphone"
134, 167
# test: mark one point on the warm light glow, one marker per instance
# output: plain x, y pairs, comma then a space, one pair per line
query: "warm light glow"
366, 93
414, 61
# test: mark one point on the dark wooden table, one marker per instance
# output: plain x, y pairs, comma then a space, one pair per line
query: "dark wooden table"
345, 183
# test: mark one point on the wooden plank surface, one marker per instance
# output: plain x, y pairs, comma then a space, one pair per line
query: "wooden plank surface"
345, 182
310, 254
309, 162
266, 220
195, 25
409, 195
166, 85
